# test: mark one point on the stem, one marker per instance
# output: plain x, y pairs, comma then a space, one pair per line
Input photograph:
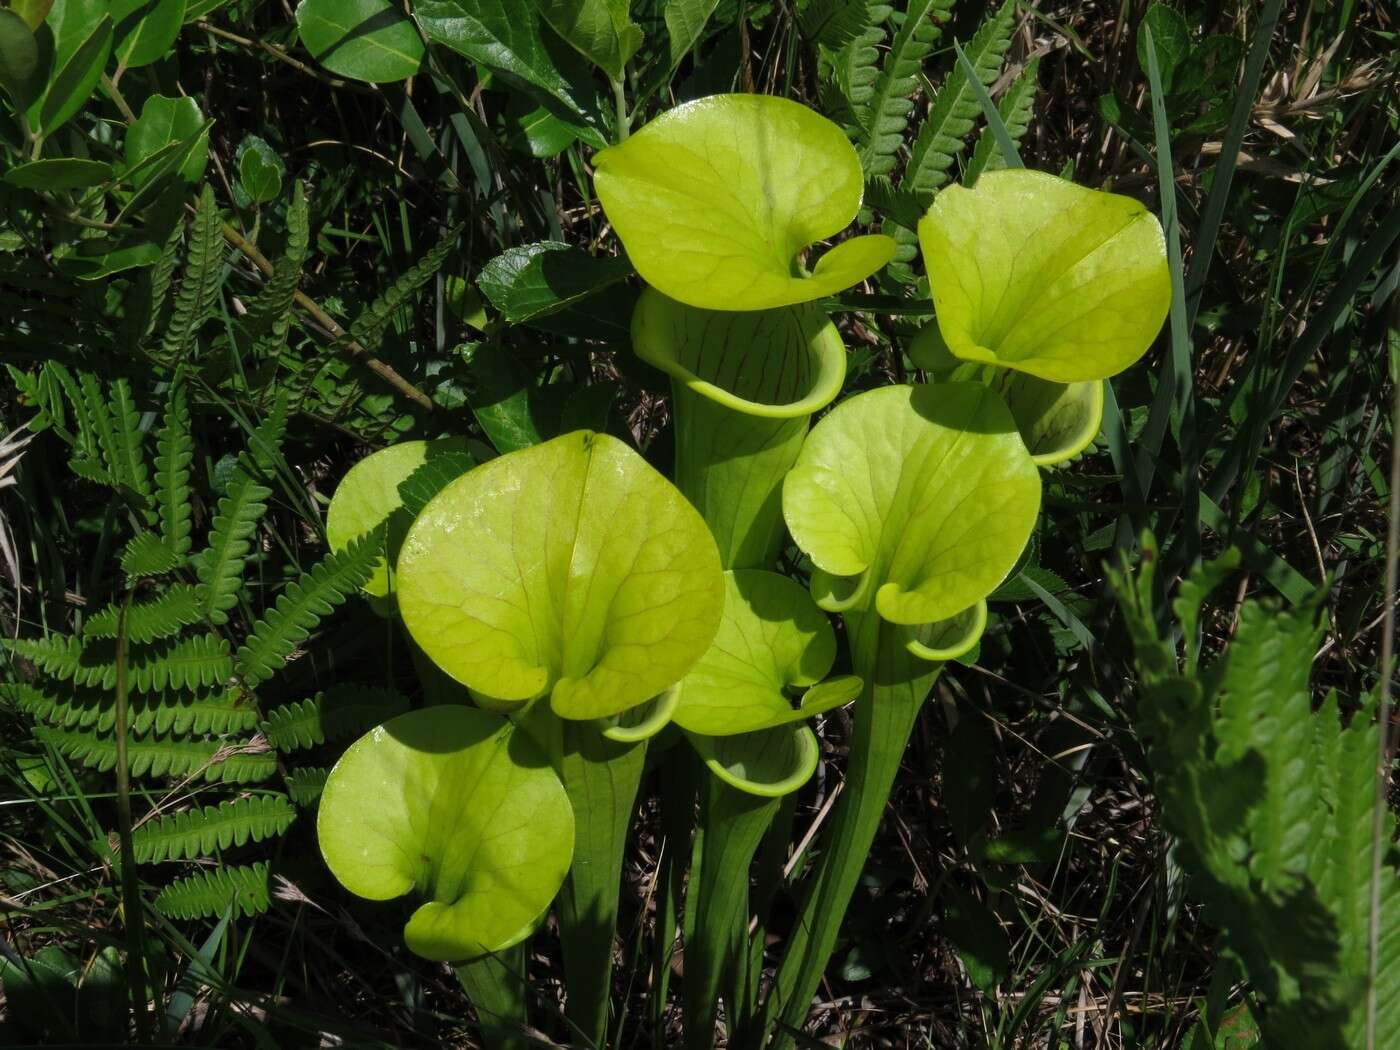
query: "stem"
896, 685
624, 129
496, 985
601, 777
734, 824
132, 913
326, 321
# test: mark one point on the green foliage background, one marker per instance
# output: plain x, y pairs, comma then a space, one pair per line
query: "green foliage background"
230, 265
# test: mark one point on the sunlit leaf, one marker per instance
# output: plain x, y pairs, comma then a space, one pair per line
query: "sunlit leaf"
1031, 272
459, 807
371, 40
916, 500
717, 200
571, 569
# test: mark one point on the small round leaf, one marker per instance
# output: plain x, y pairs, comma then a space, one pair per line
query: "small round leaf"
716, 200
1031, 272
570, 568
458, 805
370, 40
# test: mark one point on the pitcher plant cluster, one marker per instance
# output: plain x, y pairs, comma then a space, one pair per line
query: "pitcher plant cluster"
571, 607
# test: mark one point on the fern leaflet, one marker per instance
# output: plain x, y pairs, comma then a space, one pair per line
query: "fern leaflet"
884, 117
159, 757
1015, 109
200, 287
174, 453
306, 784
242, 506
302, 604
199, 832
369, 327
146, 554
270, 316
338, 713
209, 894
834, 23
160, 617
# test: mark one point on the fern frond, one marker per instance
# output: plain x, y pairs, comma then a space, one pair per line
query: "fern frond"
885, 116
157, 756
174, 453
270, 315
895, 205
338, 713
856, 65
306, 783
96, 416
834, 23
68, 706
199, 832
210, 894
302, 605
1274, 809
369, 327
185, 663
244, 502
199, 288
146, 554
153, 287
431, 478
1015, 110
941, 137
128, 456
177, 607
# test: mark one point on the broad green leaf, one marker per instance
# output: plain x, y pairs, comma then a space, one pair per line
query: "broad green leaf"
1031, 272
534, 280
370, 40
981, 943
99, 257
504, 35
260, 170
32, 11
601, 30
571, 569
914, 499
369, 496
773, 643
146, 29
780, 363
1171, 40
80, 32
166, 122
685, 22
717, 200
59, 173
1057, 420
769, 762
535, 129
460, 807
20, 71
505, 398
